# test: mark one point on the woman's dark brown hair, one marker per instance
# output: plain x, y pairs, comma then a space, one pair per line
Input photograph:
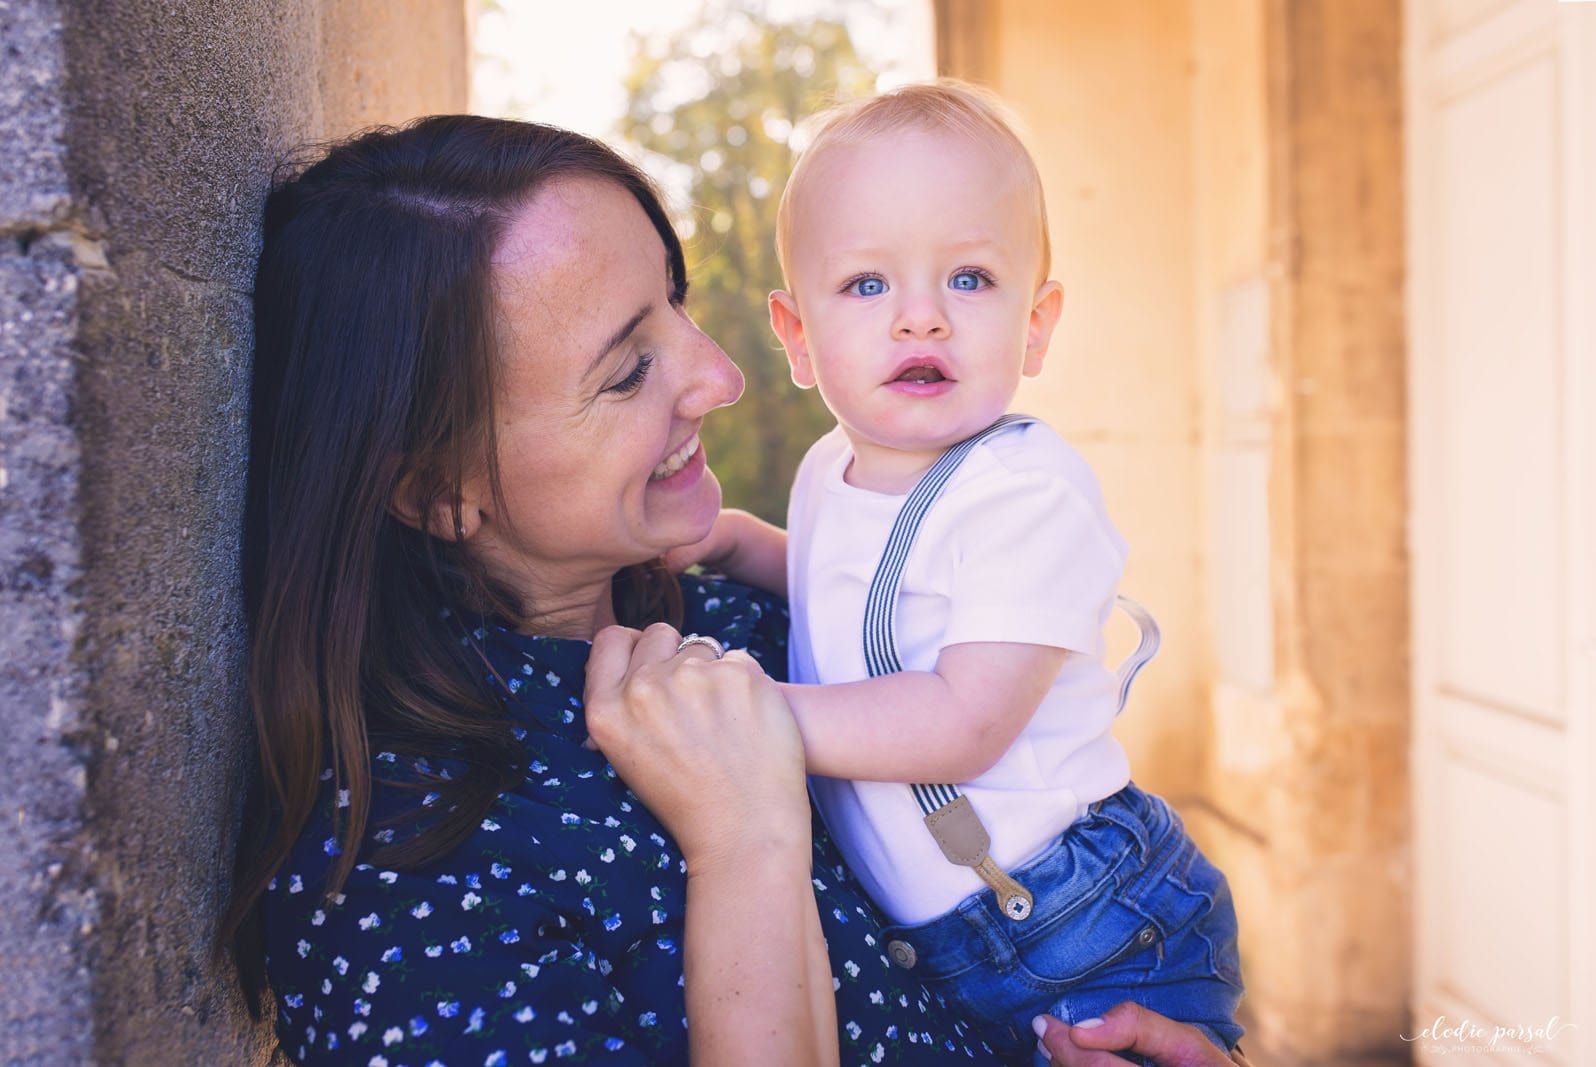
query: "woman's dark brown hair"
375, 368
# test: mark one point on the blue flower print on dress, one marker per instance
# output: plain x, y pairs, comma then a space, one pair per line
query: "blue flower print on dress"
553, 934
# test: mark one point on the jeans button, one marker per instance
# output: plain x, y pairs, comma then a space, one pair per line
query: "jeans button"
1147, 936
901, 953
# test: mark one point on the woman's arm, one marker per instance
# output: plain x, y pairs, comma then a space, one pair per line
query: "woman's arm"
711, 748
758, 978
947, 725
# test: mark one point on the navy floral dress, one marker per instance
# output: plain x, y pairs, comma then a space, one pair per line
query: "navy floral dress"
554, 933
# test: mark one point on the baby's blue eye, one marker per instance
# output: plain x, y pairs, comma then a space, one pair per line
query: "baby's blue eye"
968, 280
867, 286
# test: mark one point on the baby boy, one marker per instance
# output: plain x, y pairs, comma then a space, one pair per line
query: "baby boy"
950, 572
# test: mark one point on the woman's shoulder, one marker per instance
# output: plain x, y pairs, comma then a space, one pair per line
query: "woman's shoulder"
739, 616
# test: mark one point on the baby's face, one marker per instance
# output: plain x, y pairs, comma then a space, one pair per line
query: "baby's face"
915, 260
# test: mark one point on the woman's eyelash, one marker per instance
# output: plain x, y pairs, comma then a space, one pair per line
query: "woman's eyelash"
633, 381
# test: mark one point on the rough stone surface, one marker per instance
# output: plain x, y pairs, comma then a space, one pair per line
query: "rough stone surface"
48, 895
145, 135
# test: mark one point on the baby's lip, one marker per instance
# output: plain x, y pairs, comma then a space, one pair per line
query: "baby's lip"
923, 360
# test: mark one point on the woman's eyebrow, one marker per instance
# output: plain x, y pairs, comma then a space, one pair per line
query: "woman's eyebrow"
620, 335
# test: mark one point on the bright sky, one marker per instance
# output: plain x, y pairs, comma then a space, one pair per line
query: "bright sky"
563, 61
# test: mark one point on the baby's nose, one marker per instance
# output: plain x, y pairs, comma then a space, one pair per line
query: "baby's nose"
920, 316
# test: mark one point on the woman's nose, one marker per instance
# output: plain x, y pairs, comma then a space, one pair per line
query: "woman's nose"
712, 380
919, 315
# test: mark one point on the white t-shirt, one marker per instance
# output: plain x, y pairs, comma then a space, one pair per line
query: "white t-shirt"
1017, 549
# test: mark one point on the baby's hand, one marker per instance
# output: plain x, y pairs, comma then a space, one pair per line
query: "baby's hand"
741, 546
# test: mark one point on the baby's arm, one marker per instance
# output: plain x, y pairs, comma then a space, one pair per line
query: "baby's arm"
741, 546
950, 724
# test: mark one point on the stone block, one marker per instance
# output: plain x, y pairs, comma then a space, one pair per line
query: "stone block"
145, 136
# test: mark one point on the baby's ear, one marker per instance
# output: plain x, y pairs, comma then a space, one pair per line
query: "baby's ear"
790, 331
1045, 311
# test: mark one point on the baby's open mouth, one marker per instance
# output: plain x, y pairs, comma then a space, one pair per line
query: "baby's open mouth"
920, 374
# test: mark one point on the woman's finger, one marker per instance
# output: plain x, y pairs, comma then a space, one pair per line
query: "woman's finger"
656, 645
1129, 1028
607, 663
1053, 1041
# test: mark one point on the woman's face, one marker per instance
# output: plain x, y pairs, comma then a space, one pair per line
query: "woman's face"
604, 383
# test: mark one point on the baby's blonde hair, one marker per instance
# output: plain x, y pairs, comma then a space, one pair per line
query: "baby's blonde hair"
945, 104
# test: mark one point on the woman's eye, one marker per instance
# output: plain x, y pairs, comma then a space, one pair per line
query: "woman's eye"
969, 280
869, 285
633, 381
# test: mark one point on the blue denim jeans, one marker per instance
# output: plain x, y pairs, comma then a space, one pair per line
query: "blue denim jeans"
1126, 908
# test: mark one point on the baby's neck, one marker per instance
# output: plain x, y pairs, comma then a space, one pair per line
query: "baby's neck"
887, 470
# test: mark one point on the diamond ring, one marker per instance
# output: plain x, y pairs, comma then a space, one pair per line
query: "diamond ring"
708, 642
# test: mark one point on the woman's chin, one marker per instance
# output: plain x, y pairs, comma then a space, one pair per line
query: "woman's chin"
689, 510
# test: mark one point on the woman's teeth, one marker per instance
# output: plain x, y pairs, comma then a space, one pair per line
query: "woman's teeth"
676, 460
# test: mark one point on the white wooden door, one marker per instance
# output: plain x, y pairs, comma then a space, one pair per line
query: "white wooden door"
1501, 112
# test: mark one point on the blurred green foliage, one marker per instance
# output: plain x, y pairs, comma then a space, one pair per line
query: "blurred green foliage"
715, 105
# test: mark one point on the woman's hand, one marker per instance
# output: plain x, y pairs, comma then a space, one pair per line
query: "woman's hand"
1130, 1028
709, 745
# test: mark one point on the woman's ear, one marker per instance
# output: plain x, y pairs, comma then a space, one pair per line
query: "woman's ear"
433, 513
1045, 312
790, 331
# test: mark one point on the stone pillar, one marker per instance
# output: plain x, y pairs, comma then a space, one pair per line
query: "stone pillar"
1301, 104
142, 138
1338, 811
964, 39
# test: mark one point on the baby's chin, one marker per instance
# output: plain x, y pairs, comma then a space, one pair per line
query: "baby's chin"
936, 435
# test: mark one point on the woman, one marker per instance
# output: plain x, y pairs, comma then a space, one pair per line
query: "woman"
477, 403
476, 418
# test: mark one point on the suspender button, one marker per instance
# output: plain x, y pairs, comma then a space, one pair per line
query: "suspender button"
902, 953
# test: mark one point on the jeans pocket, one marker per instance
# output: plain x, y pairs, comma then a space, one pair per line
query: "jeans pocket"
1102, 935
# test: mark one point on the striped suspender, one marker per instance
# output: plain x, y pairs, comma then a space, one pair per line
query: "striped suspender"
948, 813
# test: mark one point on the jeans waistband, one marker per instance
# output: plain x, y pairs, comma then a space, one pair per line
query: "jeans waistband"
1115, 847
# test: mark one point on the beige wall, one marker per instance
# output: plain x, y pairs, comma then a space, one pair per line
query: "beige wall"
1102, 89
385, 61
1224, 179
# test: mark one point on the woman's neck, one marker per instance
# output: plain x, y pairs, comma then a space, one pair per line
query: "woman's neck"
579, 615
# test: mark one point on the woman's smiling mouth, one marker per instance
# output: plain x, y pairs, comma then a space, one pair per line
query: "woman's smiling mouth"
676, 460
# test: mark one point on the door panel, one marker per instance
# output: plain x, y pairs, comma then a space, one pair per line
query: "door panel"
1502, 228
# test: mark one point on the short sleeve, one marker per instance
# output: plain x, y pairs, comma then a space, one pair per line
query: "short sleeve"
1037, 562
